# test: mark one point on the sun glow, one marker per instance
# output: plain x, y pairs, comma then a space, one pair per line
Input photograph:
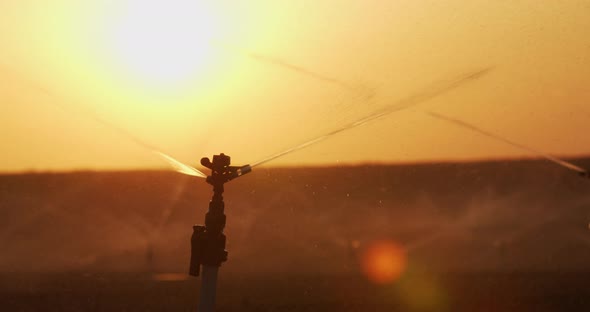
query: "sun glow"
164, 43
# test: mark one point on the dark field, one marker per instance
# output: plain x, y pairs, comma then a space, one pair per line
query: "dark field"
453, 292
493, 236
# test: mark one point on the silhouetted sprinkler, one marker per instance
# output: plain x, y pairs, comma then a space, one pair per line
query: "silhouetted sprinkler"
208, 241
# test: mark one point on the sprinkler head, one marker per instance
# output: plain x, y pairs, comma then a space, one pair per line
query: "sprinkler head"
221, 171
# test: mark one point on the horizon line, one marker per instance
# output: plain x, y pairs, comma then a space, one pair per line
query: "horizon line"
304, 166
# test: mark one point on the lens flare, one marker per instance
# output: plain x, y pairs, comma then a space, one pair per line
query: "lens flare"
422, 292
383, 262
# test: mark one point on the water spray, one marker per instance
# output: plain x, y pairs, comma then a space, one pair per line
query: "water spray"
179, 166
581, 171
54, 100
428, 93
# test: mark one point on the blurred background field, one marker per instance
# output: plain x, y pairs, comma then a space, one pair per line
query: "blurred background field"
480, 236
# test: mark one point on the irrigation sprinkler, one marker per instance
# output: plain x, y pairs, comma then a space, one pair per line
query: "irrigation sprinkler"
208, 241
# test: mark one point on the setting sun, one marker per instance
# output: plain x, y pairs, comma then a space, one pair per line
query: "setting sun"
164, 43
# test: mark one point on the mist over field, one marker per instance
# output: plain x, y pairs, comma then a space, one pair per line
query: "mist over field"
460, 217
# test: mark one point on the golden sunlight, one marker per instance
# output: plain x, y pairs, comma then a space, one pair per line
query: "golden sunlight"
164, 43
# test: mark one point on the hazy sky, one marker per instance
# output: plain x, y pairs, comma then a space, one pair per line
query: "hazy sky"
156, 69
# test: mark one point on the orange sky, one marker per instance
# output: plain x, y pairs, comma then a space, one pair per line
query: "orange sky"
149, 67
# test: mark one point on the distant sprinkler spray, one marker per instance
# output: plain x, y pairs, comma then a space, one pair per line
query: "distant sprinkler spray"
275, 61
581, 171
